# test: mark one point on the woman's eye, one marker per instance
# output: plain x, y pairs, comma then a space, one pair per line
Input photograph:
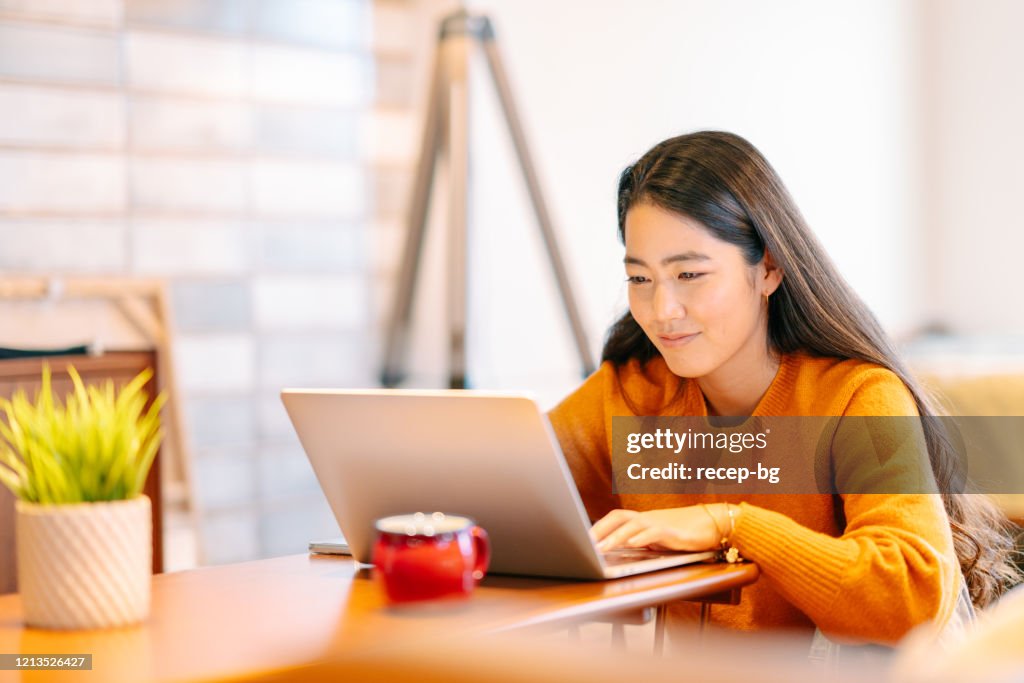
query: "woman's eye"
636, 279
689, 276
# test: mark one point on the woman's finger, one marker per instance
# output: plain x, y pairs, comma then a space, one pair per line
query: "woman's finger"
610, 522
619, 537
653, 535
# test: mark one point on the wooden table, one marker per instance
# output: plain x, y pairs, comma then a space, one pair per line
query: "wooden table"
273, 615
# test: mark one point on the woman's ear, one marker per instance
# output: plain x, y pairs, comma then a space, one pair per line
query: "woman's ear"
773, 274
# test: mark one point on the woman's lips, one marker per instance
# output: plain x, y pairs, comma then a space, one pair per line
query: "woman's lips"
674, 340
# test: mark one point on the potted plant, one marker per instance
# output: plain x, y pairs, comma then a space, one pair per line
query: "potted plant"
77, 469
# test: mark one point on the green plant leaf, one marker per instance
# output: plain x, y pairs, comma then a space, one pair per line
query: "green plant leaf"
99, 444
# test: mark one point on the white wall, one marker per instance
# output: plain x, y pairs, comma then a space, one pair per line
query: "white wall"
895, 125
823, 89
974, 113
217, 146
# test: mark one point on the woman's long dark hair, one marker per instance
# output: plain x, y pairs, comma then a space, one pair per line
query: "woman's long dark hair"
722, 181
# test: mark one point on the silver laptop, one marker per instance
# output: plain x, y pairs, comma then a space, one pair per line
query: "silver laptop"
492, 457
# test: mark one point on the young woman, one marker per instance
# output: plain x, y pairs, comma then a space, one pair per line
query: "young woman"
736, 310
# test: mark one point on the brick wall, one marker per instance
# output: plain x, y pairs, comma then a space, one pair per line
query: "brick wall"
256, 154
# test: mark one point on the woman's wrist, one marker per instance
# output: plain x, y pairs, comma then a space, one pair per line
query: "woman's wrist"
715, 513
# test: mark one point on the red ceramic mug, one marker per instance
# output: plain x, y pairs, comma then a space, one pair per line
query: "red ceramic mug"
425, 557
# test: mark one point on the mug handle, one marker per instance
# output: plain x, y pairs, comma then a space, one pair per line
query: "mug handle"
482, 545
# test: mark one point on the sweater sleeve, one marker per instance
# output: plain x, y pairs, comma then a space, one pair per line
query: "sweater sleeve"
893, 567
580, 423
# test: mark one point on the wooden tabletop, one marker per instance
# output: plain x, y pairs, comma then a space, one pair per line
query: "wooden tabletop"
271, 615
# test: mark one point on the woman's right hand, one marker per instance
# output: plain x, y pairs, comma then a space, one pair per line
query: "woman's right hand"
688, 528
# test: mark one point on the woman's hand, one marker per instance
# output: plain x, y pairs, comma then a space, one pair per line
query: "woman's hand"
694, 528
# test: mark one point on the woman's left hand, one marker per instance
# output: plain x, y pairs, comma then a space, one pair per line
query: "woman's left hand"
689, 528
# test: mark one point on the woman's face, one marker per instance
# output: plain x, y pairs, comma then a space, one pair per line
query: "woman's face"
694, 295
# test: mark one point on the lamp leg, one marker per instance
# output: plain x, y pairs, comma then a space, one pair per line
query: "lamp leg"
456, 59
396, 343
536, 198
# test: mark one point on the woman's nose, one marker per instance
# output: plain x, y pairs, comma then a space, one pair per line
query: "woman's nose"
667, 305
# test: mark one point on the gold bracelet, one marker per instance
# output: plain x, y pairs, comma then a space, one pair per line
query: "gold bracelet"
727, 552
732, 555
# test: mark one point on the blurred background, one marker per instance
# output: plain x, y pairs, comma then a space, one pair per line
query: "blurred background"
257, 155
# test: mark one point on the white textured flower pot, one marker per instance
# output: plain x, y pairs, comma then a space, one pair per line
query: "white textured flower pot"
86, 565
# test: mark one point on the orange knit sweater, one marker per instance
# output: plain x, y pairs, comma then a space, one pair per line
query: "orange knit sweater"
891, 568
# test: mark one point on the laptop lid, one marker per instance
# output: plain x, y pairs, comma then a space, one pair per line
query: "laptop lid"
492, 457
